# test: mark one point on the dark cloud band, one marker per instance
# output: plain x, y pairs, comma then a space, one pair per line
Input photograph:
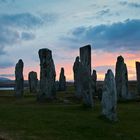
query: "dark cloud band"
117, 36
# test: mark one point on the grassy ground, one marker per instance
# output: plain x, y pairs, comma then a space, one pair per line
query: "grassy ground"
25, 119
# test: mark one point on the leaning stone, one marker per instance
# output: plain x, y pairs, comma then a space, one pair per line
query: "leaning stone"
62, 81
47, 75
109, 97
19, 79
33, 82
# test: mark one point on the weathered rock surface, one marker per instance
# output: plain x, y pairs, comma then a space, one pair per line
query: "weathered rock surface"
121, 78
47, 75
33, 82
138, 76
93, 82
109, 97
85, 59
62, 81
77, 77
19, 79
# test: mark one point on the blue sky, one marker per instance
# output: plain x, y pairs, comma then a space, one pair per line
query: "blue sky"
111, 27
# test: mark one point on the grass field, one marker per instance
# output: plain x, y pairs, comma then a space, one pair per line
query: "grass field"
26, 119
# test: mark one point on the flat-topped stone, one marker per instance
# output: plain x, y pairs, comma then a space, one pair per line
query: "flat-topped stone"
85, 59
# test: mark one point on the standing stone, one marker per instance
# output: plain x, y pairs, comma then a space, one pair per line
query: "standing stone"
33, 81
62, 80
121, 78
94, 79
109, 97
77, 77
19, 80
47, 75
85, 59
138, 76
57, 85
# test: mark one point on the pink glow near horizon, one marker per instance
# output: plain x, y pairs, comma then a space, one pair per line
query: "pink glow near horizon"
98, 59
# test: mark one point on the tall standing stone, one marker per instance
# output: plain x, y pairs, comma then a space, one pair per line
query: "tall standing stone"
47, 75
77, 77
121, 78
85, 59
138, 76
94, 79
57, 85
19, 79
33, 81
62, 80
109, 97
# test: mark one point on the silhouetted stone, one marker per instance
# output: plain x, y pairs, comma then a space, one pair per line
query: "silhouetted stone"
138, 76
77, 77
121, 78
94, 79
85, 59
62, 80
19, 80
99, 93
109, 97
47, 75
33, 81
57, 85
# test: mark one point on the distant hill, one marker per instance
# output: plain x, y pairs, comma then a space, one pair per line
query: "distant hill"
5, 82
3, 79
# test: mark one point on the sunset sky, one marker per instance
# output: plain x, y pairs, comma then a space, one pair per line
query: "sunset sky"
112, 27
